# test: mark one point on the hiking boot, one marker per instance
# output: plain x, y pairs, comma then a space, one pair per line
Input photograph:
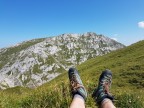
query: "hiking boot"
76, 83
102, 91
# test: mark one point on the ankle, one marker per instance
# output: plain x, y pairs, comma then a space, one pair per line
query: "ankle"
107, 103
78, 96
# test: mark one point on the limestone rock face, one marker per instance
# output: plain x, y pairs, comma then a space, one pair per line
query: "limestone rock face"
38, 61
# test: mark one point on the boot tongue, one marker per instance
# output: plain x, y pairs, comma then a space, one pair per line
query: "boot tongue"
106, 88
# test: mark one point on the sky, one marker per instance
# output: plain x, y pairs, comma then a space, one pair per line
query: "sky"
21, 20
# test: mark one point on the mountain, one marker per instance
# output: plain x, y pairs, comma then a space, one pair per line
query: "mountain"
126, 64
38, 61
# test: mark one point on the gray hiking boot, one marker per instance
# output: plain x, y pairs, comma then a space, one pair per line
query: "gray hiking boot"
102, 91
76, 83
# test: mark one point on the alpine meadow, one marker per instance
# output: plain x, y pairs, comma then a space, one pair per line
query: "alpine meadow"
127, 65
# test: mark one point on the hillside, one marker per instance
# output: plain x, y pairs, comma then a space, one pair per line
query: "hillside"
32, 63
127, 65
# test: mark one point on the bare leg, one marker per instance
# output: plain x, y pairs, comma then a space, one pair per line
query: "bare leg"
78, 91
107, 103
78, 102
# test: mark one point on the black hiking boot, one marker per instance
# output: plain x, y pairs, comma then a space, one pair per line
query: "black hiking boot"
102, 91
76, 83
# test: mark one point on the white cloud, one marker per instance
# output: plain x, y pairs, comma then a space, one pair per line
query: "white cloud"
141, 24
115, 39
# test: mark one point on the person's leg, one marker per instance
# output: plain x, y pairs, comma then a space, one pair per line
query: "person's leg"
101, 94
78, 102
78, 91
107, 103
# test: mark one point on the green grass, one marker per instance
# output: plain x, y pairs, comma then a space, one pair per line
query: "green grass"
127, 65
36, 69
7, 55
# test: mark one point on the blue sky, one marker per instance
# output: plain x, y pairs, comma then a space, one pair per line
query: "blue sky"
22, 20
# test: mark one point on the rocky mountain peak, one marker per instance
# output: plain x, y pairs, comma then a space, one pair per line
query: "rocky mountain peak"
35, 62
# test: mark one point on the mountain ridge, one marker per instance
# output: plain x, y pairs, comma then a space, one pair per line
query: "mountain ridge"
35, 62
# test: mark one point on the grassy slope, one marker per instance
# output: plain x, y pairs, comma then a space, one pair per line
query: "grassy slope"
126, 64
6, 56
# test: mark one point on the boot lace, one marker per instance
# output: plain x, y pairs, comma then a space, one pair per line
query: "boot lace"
75, 84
